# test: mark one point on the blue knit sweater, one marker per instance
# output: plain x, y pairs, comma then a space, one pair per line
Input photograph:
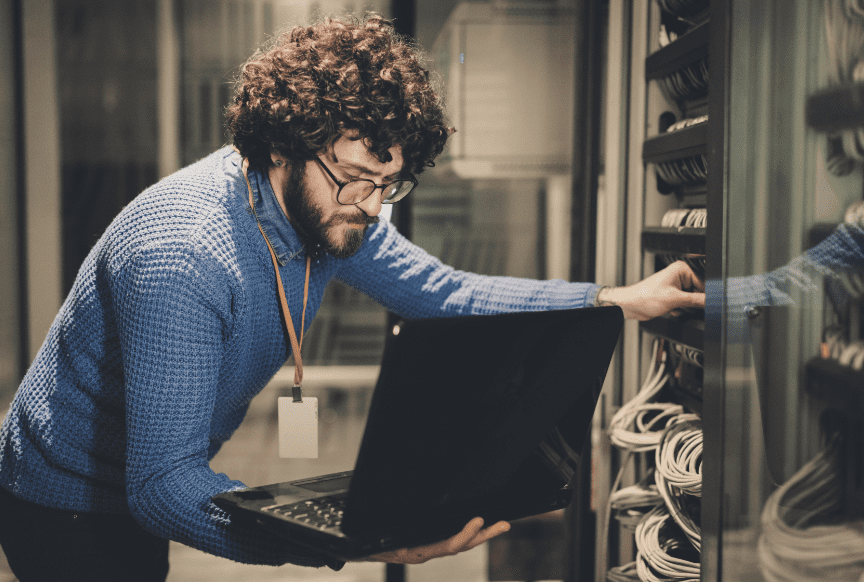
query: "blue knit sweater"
173, 326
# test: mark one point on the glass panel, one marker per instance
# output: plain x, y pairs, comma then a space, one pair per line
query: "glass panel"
783, 387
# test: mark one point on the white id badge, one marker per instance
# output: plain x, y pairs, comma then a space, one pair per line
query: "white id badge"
298, 428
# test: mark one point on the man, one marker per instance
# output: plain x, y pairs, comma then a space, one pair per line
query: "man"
173, 323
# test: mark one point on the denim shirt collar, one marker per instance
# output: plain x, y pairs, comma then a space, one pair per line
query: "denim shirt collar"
285, 241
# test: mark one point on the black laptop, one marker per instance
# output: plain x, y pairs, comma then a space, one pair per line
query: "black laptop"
471, 416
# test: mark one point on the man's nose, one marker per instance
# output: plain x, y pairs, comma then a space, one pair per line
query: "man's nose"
372, 205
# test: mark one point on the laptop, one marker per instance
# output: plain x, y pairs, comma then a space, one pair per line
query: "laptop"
471, 416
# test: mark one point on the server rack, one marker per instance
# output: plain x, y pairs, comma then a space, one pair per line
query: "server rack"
778, 399
653, 208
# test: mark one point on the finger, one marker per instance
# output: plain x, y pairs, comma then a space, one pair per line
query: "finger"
687, 278
390, 556
489, 533
460, 541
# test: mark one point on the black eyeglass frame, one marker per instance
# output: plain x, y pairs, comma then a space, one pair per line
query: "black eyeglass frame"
411, 179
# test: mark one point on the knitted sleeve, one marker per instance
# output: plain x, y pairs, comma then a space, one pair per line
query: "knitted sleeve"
414, 284
171, 318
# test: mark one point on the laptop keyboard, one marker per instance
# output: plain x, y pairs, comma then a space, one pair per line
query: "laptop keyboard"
322, 513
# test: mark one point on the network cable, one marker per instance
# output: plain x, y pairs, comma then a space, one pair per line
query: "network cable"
655, 559
802, 537
679, 472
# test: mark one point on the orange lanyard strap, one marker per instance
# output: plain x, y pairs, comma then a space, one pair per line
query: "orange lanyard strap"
283, 303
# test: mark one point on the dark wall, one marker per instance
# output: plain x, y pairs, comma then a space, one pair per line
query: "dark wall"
106, 55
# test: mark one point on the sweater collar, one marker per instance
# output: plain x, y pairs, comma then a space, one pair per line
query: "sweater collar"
286, 243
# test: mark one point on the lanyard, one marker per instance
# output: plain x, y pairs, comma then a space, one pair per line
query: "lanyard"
283, 303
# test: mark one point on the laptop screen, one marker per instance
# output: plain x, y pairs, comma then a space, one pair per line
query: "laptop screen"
462, 403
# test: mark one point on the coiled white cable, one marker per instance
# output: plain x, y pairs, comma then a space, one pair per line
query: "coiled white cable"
654, 563
679, 471
648, 429
800, 538
632, 428
632, 503
625, 573
679, 456
845, 353
620, 434
635, 496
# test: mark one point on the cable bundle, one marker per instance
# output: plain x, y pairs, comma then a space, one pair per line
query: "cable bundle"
845, 352
662, 556
679, 454
800, 538
679, 472
689, 122
641, 425
632, 503
689, 82
625, 573
638, 425
691, 170
630, 428
689, 355
686, 217
844, 27
853, 355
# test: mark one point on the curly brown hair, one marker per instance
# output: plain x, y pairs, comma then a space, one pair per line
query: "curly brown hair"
318, 82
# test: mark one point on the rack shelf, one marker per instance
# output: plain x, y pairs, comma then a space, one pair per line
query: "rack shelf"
836, 108
675, 145
841, 387
693, 196
677, 240
687, 332
685, 50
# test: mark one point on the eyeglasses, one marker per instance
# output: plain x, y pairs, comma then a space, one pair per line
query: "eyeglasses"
356, 191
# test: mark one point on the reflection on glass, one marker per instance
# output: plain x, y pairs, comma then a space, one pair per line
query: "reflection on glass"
790, 322
805, 533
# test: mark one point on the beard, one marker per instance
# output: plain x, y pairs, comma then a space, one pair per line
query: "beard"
308, 219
